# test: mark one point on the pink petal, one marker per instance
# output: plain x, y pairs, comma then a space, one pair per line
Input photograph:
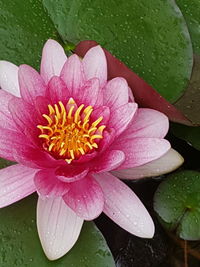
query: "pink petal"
53, 59
102, 111
85, 198
69, 174
116, 93
9, 78
72, 74
169, 162
48, 185
31, 83
6, 120
57, 90
107, 161
124, 207
16, 182
9, 141
90, 92
121, 117
148, 123
23, 120
35, 158
139, 151
95, 65
58, 227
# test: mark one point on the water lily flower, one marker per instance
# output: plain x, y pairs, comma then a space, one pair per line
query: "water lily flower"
68, 128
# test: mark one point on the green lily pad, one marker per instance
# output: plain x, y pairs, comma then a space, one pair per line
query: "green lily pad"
20, 245
189, 134
5, 163
177, 202
24, 27
191, 11
151, 37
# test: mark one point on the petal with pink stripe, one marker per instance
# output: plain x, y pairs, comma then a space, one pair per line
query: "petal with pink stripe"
16, 182
95, 64
58, 227
124, 207
85, 198
53, 59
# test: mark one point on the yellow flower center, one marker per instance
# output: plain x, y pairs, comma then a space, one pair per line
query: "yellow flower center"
69, 132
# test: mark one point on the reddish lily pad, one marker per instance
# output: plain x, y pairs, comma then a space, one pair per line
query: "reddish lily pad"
151, 37
191, 11
144, 94
20, 245
177, 202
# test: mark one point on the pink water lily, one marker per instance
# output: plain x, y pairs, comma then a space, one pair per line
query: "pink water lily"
68, 128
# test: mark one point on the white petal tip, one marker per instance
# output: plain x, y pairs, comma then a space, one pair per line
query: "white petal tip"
144, 229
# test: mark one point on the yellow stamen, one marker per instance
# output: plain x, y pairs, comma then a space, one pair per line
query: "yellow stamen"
69, 131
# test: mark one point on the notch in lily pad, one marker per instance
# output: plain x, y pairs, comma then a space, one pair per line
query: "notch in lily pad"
177, 202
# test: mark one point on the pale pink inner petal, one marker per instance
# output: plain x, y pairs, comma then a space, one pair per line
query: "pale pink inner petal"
89, 93
85, 197
124, 207
169, 162
95, 64
139, 151
53, 59
116, 93
121, 117
58, 227
16, 182
147, 123
73, 75
9, 78
31, 83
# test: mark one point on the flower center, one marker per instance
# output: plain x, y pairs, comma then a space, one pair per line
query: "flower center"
69, 132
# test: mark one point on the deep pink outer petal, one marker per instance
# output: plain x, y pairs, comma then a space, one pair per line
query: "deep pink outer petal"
139, 151
57, 90
16, 182
85, 198
107, 161
95, 65
58, 227
124, 207
147, 123
31, 83
35, 158
9, 78
116, 93
48, 185
53, 59
10, 141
